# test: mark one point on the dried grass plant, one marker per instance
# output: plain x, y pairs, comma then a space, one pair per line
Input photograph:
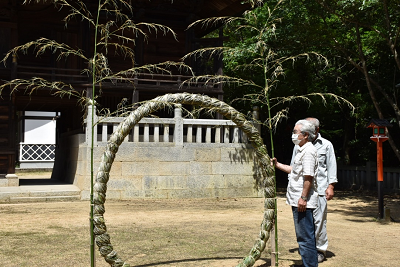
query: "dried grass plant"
265, 60
117, 31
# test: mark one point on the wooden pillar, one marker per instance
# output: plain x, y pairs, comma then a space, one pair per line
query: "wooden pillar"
14, 67
219, 58
189, 40
220, 98
12, 134
8, 148
135, 97
219, 66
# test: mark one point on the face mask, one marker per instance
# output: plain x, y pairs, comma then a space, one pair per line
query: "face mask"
295, 139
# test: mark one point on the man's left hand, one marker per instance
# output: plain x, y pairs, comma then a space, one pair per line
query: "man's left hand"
329, 192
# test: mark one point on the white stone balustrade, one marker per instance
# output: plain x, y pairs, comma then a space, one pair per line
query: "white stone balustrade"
176, 131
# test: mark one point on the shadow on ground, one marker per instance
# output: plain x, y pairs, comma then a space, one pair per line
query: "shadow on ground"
266, 264
364, 205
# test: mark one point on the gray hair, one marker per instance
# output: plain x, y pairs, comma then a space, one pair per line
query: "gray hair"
314, 121
307, 127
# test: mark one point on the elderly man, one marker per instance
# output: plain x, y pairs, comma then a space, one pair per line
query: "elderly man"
302, 192
326, 180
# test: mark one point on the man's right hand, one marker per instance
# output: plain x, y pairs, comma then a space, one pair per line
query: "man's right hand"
301, 205
280, 166
274, 161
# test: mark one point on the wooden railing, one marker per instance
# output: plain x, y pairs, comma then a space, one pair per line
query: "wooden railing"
167, 81
52, 74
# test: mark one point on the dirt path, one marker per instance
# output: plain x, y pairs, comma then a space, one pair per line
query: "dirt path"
197, 232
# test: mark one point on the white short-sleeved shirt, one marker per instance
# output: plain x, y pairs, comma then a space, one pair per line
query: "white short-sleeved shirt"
305, 163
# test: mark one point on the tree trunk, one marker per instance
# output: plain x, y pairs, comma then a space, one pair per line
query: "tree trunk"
371, 92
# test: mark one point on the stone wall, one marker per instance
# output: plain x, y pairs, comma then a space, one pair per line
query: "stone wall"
167, 158
164, 170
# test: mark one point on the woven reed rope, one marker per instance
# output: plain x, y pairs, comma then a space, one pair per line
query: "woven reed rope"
266, 182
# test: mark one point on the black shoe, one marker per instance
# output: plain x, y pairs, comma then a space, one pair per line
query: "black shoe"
321, 257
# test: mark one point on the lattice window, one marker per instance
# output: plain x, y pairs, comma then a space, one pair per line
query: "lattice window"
34, 152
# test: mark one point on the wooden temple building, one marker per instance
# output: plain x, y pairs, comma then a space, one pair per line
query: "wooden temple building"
22, 23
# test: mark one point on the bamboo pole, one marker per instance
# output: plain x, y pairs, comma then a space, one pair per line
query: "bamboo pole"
92, 235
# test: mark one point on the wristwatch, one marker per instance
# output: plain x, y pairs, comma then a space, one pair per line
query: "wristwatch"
303, 198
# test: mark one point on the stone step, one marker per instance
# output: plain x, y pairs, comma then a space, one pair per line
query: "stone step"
44, 199
40, 193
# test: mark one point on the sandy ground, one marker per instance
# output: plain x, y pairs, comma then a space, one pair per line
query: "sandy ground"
196, 232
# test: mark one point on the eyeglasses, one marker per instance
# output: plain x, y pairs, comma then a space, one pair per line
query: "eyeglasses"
296, 132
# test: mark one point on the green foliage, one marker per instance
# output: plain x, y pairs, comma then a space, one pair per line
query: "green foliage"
252, 65
259, 55
364, 36
330, 28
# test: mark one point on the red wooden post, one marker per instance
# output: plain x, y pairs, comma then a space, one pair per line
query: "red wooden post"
379, 135
379, 156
